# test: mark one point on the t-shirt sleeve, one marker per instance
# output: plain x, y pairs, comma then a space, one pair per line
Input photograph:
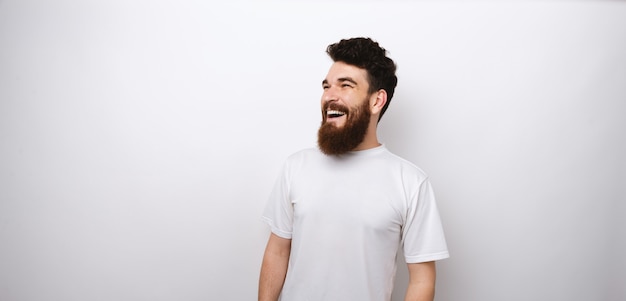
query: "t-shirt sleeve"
422, 235
278, 213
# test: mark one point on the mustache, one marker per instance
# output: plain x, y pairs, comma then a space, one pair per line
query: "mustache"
335, 106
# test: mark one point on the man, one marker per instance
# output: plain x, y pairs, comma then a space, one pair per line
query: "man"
339, 214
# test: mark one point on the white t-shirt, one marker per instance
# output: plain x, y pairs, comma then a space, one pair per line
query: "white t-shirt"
346, 217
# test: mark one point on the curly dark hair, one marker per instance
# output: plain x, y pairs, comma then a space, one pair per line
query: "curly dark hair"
367, 54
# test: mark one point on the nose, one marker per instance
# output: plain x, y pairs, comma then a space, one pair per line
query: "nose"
329, 95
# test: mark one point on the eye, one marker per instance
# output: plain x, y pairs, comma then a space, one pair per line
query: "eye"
345, 85
325, 87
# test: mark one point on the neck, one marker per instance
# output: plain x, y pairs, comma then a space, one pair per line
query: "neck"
371, 137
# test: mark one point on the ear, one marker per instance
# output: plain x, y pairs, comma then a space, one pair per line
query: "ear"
378, 101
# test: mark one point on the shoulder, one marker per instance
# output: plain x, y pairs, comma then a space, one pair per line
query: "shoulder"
305, 154
304, 157
404, 166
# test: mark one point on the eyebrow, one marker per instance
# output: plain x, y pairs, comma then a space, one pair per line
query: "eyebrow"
341, 79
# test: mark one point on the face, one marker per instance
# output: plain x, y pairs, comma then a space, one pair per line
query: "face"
345, 109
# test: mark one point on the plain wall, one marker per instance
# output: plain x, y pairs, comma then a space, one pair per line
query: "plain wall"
139, 140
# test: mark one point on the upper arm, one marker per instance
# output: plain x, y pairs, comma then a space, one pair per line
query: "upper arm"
421, 282
277, 245
423, 272
274, 267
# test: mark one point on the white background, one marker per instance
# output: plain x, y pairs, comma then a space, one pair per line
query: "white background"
139, 140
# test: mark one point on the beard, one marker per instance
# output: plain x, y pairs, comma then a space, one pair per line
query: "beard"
333, 140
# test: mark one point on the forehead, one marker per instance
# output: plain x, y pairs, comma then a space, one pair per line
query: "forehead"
340, 70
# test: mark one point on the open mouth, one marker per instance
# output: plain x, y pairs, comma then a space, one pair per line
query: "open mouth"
334, 114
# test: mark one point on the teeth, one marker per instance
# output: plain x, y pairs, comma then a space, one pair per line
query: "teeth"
335, 112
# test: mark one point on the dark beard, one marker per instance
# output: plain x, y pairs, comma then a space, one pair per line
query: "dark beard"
336, 141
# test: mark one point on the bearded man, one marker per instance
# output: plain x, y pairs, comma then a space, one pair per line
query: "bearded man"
339, 213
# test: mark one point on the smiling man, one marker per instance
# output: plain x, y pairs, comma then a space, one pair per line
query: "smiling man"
346, 115
339, 213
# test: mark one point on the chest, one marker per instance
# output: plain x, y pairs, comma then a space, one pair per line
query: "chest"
358, 201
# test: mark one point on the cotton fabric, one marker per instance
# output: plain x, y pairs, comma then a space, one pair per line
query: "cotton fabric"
347, 216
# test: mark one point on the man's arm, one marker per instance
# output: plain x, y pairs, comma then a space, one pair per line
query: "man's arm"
274, 267
421, 282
